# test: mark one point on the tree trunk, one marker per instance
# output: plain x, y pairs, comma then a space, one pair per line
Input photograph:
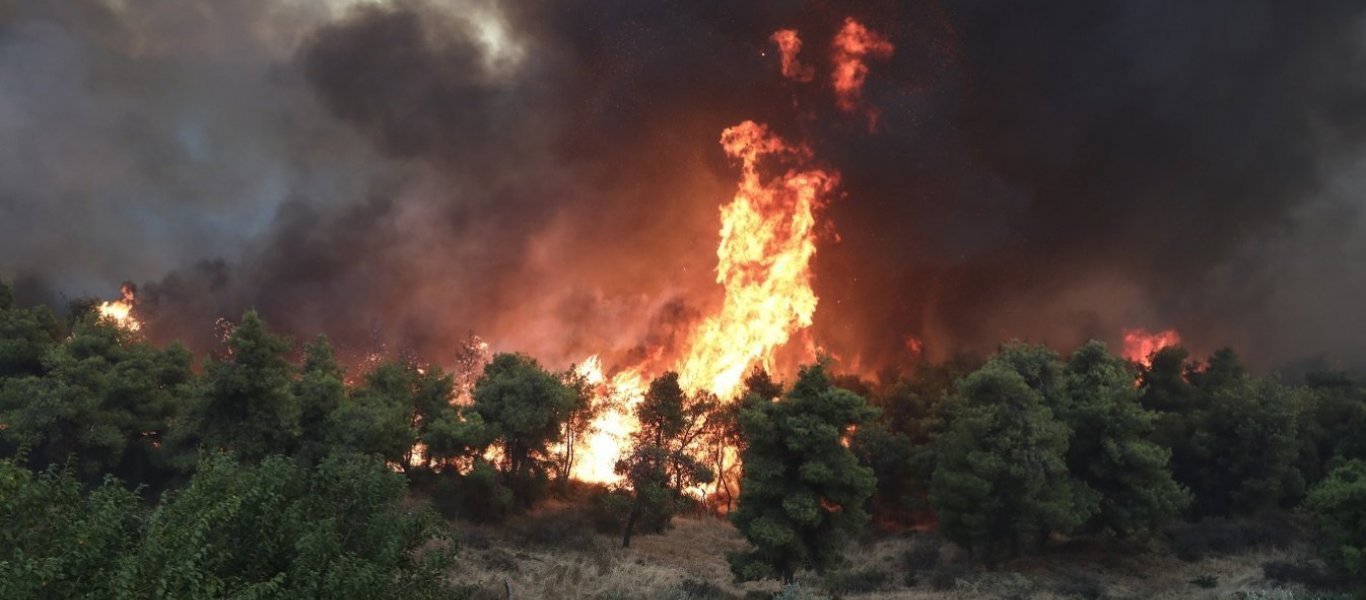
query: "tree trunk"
631, 523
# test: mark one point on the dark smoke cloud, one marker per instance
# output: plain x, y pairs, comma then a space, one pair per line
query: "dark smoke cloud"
546, 174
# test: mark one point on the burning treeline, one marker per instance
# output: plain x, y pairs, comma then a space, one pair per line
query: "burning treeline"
769, 234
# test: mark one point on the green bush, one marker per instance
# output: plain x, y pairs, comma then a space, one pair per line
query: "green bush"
861, 581
271, 530
1221, 536
558, 528
1207, 582
478, 495
1339, 504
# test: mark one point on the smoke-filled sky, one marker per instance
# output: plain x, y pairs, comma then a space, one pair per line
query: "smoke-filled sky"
546, 173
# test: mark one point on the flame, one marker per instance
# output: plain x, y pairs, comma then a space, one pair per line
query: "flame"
789, 44
1140, 344
853, 44
120, 312
612, 428
768, 238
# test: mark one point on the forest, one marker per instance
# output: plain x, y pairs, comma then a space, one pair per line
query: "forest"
267, 470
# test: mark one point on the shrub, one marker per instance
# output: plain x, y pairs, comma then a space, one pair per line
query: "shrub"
922, 555
1339, 504
1217, 535
795, 591
477, 495
1207, 582
694, 589
607, 510
947, 577
862, 581
1085, 586
1310, 576
560, 528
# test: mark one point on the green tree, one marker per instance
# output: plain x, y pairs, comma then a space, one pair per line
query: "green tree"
320, 390
1245, 449
25, 336
1001, 476
105, 401
393, 409
1111, 449
375, 419
1234, 438
1331, 422
246, 403
58, 542
662, 464
579, 424
524, 408
1339, 504
802, 488
275, 530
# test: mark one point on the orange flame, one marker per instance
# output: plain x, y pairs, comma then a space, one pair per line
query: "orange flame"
768, 237
1140, 344
789, 44
120, 312
852, 46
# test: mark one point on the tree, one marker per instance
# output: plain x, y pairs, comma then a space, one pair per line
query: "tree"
802, 488
320, 390
246, 404
57, 541
392, 411
579, 424
105, 401
375, 419
524, 408
276, 530
1339, 504
661, 464
1111, 450
1331, 422
1234, 438
1001, 475
1245, 448
25, 336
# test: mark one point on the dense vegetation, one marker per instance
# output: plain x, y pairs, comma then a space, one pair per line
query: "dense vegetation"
264, 470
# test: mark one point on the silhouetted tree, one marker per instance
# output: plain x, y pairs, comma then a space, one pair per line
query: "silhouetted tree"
524, 408
803, 490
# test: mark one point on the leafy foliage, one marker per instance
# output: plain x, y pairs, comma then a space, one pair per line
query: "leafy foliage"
1001, 477
524, 408
269, 530
105, 401
245, 403
803, 489
1339, 502
661, 465
1111, 449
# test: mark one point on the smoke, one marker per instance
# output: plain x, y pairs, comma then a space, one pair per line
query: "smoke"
546, 174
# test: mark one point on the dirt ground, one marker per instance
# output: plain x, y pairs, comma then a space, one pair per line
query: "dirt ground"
689, 562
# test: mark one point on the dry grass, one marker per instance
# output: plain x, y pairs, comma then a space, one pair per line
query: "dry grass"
657, 566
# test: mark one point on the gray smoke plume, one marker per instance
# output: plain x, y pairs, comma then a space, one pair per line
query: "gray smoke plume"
546, 174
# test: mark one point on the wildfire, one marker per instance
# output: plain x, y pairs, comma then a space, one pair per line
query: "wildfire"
120, 311
1140, 344
768, 237
612, 428
789, 44
852, 46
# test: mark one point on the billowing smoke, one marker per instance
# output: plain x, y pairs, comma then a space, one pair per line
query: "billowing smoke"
546, 174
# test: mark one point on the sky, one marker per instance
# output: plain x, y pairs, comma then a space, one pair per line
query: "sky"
546, 174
